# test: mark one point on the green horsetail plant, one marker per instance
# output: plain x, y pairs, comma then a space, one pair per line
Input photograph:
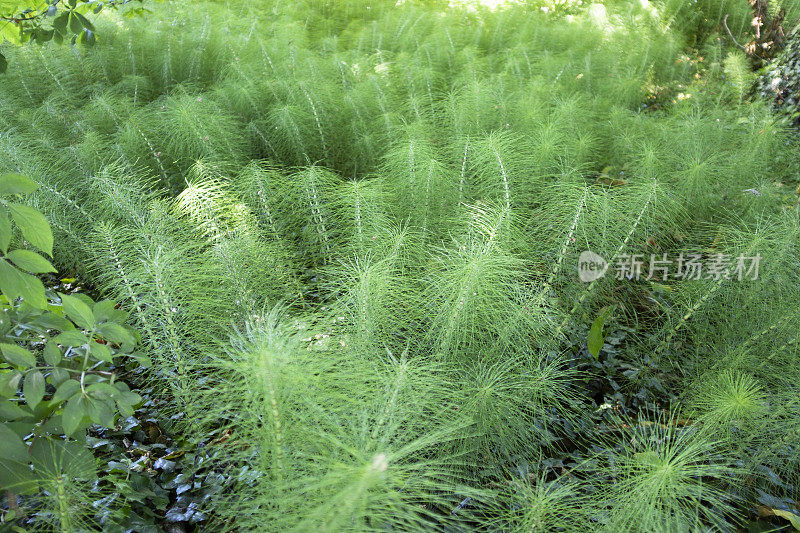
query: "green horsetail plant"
513, 401
206, 202
536, 504
415, 171
473, 284
667, 477
346, 462
731, 401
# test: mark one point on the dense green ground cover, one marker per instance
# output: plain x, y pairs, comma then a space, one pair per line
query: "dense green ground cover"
349, 234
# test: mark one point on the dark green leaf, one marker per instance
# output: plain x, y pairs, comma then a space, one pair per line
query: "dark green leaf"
66, 390
17, 478
84, 21
13, 449
33, 388
73, 414
75, 25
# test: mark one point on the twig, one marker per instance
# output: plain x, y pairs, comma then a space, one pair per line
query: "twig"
461, 505
725, 24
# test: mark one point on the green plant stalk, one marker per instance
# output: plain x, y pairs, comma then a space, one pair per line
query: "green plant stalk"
563, 252
621, 247
64, 514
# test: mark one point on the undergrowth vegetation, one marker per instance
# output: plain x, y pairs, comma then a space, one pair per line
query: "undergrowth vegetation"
348, 234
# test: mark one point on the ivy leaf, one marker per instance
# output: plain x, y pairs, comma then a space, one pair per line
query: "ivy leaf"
34, 226
17, 184
33, 388
17, 355
79, 312
30, 261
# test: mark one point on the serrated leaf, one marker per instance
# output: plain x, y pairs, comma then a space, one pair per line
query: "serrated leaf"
104, 310
11, 411
34, 226
85, 298
72, 337
100, 412
101, 351
13, 448
77, 311
17, 355
16, 284
17, 184
52, 353
9, 383
30, 261
58, 376
53, 321
65, 391
115, 333
73, 414
33, 388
